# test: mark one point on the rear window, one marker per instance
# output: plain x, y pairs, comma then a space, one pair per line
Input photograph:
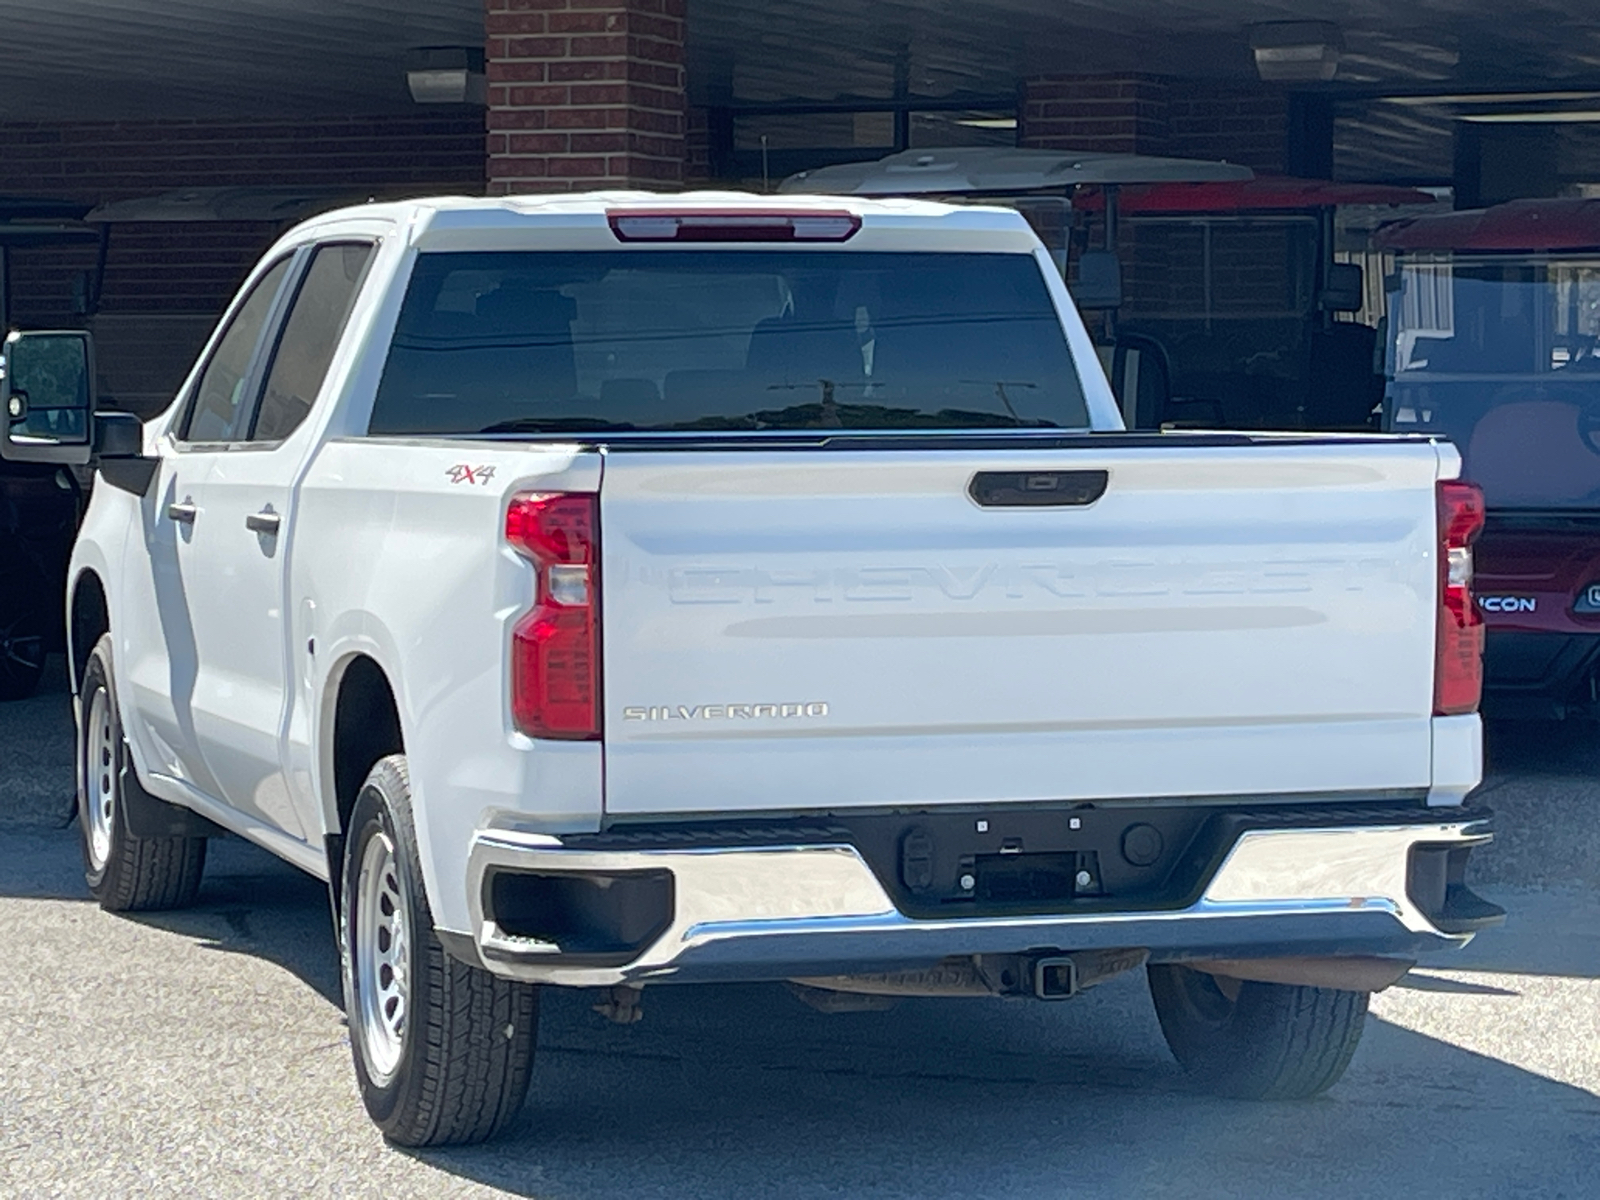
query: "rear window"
689, 340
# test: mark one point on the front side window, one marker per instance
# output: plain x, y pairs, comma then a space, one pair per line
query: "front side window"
219, 401
731, 340
316, 322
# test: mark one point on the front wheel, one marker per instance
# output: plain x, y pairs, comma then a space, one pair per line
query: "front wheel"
124, 872
443, 1051
1256, 1041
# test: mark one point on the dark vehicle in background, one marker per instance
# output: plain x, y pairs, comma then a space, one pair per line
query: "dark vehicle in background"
39, 503
1214, 294
143, 358
1236, 307
1494, 342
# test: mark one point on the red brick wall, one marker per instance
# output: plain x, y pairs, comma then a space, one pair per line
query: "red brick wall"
1244, 125
195, 267
1146, 114
411, 154
166, 282
584, 94
1112, 114
696, 148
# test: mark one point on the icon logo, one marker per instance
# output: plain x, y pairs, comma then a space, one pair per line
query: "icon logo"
1508, 604
462, 473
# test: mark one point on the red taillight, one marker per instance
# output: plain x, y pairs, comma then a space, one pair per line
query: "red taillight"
555, 647
732, 225
1458, 662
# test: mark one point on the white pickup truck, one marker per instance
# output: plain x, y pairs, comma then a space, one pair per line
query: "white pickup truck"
621, 590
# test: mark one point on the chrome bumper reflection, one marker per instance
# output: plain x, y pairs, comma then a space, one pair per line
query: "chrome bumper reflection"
773, 912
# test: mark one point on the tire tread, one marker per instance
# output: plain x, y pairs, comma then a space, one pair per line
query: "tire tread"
1280, 1042
471, 1080
140, 874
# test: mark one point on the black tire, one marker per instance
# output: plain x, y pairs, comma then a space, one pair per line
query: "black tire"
1257, 1041
24, 625
125, 873
444, 1055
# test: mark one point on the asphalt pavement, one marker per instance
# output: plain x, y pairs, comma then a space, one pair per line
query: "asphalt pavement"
204, 1053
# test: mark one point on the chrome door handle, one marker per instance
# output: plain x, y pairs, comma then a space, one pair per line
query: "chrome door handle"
262, 522
183, 512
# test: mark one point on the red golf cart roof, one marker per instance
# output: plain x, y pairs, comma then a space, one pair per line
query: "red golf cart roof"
1515, 225
1261, 194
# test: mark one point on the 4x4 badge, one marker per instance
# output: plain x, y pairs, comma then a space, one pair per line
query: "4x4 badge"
462, 473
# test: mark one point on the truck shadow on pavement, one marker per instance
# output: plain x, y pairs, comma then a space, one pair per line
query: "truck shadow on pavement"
741, 1090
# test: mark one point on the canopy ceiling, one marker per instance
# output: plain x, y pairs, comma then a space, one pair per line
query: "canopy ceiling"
116, 59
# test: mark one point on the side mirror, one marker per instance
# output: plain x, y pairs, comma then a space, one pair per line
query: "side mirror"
47, 390
119, 452
1099, 283
1345, 290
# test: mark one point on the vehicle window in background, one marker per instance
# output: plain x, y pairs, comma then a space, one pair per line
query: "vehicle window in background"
310, 335
1219, 268
1499, 355
215, 411
688, 340
1499, 316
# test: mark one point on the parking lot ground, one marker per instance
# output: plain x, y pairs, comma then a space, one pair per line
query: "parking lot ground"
204, 1053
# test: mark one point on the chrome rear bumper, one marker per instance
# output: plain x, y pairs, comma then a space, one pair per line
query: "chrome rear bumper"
777, 912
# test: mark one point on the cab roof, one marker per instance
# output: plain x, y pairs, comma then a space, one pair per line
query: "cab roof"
994, 169
1528, 225
1264, 193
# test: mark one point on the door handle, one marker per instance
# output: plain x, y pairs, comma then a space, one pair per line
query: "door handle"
183, 512
1038, 489
265, 521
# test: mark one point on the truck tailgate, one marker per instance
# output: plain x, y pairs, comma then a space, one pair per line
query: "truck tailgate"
791, 629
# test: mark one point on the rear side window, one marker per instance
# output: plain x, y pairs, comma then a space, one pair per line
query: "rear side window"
219, 399
691, 340
300, 363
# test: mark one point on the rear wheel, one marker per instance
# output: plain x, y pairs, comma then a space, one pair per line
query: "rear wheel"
125, 873
443, 1051
1256, 1041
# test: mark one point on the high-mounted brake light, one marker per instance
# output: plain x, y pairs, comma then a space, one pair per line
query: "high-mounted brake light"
736, 225
1458, 662
555, 647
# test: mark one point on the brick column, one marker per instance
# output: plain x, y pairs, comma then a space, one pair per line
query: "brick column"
584, 94
1243, 124
1109, 113
1147, 114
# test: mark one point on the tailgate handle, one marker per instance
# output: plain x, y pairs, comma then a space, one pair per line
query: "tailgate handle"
1037, 489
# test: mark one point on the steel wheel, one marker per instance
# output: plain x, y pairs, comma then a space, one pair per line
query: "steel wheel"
100, 779
382, 946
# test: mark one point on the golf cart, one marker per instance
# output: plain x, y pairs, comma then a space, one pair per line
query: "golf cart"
1213, 293
1494, 342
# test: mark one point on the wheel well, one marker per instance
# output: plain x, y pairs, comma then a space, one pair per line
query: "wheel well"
366, 727
90, 620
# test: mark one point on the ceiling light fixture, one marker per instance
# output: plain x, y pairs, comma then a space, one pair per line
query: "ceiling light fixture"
1570, 116
1488, 98
1296, 51
446, 75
